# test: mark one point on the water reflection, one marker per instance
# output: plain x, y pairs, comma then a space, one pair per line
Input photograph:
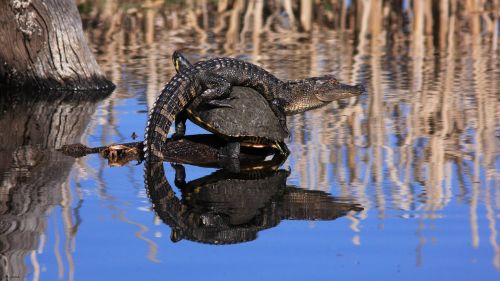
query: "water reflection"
227, 208
34, 176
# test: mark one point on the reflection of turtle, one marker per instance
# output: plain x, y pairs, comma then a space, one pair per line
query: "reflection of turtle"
230, 203
248, 120
226, 208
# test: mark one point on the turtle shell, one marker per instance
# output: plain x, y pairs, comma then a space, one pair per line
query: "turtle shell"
250, 117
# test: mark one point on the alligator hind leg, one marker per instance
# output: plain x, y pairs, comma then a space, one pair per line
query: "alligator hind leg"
218, 89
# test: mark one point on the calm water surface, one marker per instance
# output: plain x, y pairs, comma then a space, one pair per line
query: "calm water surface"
419, 152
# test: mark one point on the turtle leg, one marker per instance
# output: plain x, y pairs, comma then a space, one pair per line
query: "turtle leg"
231, 150
180, 125
217, 90
278, 108
229, 157
230, 164
180, 182
180, 175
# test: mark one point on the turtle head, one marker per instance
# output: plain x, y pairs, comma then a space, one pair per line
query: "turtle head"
327, 88
181, 63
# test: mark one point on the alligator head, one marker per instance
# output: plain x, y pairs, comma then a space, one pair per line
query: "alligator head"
314, 92
327, 88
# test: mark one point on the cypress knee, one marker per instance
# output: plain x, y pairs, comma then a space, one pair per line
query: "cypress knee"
43, 47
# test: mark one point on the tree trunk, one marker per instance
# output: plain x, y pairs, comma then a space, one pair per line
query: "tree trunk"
43, 47
33, 175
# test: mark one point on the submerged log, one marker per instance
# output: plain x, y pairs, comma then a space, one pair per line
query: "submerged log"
199, 150
43, 47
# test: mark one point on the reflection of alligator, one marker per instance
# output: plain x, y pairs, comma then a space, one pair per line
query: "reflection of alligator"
212, 80
226, 208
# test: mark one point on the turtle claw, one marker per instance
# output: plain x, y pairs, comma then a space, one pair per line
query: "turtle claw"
282, 148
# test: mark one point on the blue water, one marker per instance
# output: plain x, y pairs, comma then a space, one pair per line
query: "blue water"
399, 235
419, 152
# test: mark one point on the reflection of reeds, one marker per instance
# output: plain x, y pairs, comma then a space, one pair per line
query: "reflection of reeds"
428, 120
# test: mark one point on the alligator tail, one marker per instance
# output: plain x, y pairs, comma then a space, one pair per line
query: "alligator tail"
173, 98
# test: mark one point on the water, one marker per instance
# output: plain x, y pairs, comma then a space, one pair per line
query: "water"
419, 152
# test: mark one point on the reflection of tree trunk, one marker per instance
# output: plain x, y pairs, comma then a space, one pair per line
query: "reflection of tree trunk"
289, 11
32, 174
306, 11
43, 47
257, 27
234, 26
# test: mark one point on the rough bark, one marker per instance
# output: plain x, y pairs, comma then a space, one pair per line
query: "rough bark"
43, 47
33, 175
